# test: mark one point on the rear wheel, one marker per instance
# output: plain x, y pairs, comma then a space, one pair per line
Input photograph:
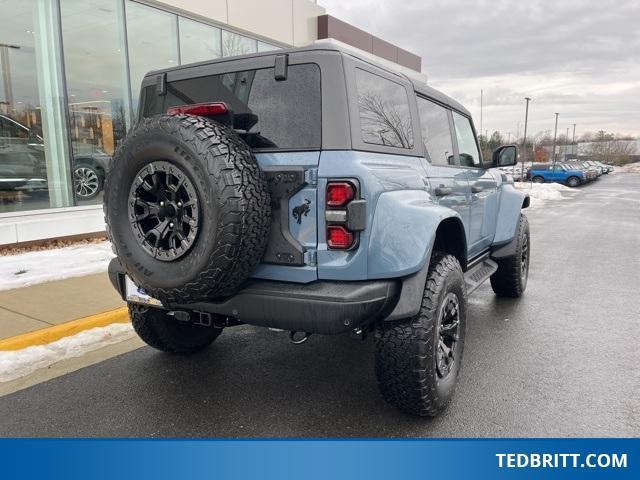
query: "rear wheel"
164, 332
418, 360
573, 182
538, 180
510, 280
87, 181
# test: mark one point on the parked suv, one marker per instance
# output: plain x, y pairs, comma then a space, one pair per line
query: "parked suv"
558, 173
316, 191
23, 166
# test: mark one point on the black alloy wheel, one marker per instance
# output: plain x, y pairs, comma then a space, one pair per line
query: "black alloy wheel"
448, 331
524, 261
164, 211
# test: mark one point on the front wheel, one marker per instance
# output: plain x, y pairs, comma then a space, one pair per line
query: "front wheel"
510, 280
418, 360
164, 332
537, 180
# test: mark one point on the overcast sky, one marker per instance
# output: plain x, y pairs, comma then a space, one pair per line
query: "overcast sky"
579, 58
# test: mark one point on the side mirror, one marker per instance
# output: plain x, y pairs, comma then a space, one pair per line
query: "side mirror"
505, 156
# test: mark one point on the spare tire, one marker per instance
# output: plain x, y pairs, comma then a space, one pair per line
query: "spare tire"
187, 208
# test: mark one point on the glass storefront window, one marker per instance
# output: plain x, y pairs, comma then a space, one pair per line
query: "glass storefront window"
198, 42
55, 144
266, 47
152, 36
234, 44
96, 85
34, 172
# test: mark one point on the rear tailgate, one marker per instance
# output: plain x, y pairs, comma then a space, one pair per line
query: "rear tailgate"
293, 238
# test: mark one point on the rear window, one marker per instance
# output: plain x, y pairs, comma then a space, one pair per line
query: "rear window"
283, 115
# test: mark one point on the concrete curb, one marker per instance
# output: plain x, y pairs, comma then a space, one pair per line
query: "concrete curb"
56, 332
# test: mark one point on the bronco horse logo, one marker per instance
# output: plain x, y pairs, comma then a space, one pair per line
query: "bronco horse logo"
301, 210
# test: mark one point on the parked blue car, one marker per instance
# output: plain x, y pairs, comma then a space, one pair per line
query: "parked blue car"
543, 173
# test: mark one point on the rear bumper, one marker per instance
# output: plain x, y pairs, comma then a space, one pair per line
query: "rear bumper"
326, 307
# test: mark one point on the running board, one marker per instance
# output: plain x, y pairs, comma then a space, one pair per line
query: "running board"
476, 275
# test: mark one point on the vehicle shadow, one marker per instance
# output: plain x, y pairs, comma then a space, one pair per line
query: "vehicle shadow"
252, 383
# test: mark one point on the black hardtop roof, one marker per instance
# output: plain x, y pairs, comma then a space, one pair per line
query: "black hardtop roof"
419, 86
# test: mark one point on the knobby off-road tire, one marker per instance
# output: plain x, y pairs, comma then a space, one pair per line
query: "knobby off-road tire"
510, 280
168, 334
213, 190
409, 353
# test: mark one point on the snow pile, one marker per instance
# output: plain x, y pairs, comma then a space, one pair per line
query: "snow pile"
30, 268
541, 192
18, 363
630, 168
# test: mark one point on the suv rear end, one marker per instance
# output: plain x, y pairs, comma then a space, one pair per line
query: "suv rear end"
293, 110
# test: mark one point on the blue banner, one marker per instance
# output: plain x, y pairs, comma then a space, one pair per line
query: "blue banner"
319, 459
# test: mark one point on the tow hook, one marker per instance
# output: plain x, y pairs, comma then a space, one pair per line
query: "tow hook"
300, 340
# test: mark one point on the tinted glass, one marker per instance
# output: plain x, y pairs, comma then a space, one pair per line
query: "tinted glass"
266, 47
198, 42
467, 146
234, 44
24, 162
283, 115
95, 88
436, 133
385, 118
153, 43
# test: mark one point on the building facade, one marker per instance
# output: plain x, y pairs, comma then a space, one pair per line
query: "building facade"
70, 72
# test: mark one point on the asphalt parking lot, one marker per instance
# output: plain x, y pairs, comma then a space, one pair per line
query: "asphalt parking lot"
562, 361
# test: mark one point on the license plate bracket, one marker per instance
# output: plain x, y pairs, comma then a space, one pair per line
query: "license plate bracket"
138, 295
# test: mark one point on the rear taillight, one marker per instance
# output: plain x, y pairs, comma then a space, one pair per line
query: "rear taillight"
340, 193
200, 109
345, 214
339, 237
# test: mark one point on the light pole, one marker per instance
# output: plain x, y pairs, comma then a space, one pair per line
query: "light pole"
555, 136
524, 140
481, 93
574, 150
566, 140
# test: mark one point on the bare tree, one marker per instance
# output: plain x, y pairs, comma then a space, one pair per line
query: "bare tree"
380, 118
607, 147
233, 44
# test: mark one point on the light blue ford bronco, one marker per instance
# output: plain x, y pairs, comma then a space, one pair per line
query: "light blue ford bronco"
315, 191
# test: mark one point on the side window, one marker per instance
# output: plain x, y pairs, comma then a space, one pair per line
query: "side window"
436, 134
8, 129
385, 118
467, 146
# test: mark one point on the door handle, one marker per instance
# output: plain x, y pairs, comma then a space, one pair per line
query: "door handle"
442, 191
476, 188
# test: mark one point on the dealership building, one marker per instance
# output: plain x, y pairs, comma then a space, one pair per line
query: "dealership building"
70, 72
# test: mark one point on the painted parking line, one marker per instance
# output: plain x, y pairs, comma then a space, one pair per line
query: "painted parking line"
56, 332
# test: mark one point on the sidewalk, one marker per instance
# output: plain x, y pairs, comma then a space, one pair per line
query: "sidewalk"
41, 306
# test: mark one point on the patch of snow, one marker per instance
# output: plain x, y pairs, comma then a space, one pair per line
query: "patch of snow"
629, 168
541, 192
30, 268
18, 363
